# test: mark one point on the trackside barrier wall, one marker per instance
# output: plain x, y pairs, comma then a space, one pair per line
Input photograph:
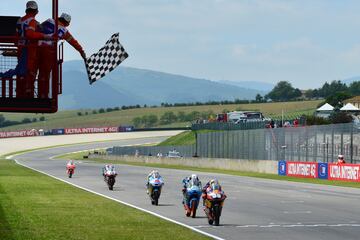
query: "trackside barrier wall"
296, 144
330, 171
63, 131
184, 151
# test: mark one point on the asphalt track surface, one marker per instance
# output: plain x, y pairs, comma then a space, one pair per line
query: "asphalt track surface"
255, 208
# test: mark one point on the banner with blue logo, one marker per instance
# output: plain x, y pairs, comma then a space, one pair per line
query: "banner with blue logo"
282, 168
323, 171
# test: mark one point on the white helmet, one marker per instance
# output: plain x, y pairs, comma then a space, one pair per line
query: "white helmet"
66, 17
156, 174
31, 5
194, 179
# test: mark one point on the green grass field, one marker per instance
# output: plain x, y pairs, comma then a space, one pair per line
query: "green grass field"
124, 117
34, 206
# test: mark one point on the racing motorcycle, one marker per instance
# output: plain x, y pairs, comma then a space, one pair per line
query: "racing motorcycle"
213, 204
192, 198
70, 169
109, 177
154, 188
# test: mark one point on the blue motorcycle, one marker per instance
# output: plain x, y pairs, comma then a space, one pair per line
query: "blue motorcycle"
154, 189
192, 198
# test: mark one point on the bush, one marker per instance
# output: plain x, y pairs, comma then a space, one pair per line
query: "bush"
26, 120
94, 112
79, 113
150, 120
341, 117
314, 120
42, 118
101, 110
168, 118
137, 122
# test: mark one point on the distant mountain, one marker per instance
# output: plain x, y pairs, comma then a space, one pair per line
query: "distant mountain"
262, 86
348, 81
131, 86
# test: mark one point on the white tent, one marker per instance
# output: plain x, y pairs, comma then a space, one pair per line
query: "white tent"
349, 107
325, 107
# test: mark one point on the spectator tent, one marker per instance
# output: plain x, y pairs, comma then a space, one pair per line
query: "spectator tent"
324, 111
349, 108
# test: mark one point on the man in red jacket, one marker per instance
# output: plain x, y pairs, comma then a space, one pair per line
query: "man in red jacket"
27, 31
47, 52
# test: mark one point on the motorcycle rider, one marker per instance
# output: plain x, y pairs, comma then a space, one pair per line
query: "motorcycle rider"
70, 165
108, 169
153, 174
208, 188
186, 181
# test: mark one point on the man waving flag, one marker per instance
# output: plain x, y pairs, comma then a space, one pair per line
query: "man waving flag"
106, 59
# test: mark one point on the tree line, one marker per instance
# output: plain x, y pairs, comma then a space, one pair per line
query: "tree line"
6, 123
334, 92
169, 117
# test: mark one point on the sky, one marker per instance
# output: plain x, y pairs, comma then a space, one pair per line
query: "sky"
305, 42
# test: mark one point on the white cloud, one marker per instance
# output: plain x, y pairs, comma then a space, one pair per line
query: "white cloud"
243, 50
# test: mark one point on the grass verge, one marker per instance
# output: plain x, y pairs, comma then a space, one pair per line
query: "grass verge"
34, 206
184, 138
79, 156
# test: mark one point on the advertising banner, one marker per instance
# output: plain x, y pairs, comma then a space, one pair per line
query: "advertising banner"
59, 131
323, 170
22, 133
282, 168
91, 130
344, 172
126, 128
302, 169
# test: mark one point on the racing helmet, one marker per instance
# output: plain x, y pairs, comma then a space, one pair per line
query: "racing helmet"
66, 17
156, 174
195, 179
340, 156
31, 5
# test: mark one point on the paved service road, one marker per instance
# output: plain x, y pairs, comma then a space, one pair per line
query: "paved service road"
255, 208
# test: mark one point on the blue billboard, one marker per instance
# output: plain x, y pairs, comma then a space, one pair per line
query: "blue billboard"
323, 170
282, 168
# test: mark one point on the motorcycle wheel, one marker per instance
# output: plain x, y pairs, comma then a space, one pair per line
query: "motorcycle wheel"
193, 210
217, 215
210, 221
70, 175
155, 197
187, 213
111, 188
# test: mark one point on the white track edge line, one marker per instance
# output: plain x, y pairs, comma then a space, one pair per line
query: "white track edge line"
125, 203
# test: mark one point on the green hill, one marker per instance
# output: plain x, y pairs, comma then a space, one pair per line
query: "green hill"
71, 118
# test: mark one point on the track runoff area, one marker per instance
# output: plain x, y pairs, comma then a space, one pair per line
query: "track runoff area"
254, 209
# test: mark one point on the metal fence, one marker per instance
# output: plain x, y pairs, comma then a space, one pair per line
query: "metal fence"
314, 143
228, 125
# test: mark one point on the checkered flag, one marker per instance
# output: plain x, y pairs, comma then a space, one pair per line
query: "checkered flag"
106, 59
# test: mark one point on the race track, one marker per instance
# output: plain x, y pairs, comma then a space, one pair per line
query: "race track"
255, 208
